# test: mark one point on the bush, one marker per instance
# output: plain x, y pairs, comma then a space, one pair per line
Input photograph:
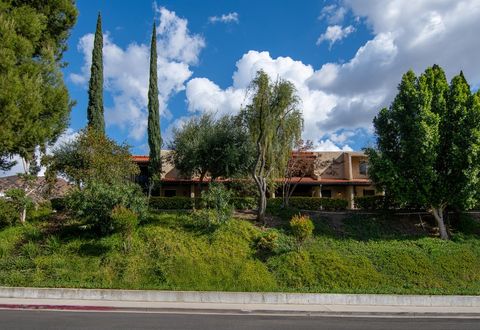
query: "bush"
218, 198
302, 227
310, 203
375, 203
268, 241
96, 201
244, 203
207, 219
173, 203
8, 213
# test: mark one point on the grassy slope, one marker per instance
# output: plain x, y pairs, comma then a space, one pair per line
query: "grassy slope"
363, 256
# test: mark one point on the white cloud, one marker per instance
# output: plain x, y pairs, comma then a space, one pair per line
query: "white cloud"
225, 18
335, 33
333, 14
328, 145
126, 71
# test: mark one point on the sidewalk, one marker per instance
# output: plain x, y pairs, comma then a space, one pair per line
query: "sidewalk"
240, 303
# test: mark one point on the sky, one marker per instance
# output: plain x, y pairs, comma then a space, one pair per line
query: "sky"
345, 58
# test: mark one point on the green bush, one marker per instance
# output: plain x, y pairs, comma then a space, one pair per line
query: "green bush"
268, 241
173, 203
244, 203
375, 203
302, 227
218, 199
8, 213
310, 203
95, 203
208, 219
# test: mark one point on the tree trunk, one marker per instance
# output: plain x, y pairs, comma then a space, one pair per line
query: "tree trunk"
438, 215
262, 206
23, 215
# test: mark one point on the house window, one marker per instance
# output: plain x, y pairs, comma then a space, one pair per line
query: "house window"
368, 192
170, 193
326, 193
363, 167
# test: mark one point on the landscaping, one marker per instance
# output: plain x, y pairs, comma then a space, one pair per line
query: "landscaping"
170, 251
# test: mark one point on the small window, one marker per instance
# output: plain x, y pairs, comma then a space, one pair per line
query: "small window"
368, 192
327, 193
170, 193
363, 167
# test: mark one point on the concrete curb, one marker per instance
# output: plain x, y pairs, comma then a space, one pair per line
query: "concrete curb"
241, 297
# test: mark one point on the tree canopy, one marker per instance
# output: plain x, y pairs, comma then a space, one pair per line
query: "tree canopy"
428, 144
218, 147
34, 101
275, 124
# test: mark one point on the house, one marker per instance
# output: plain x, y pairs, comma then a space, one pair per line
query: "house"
39, 190
323, 174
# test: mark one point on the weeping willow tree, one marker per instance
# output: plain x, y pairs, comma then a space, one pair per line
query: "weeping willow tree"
274, 123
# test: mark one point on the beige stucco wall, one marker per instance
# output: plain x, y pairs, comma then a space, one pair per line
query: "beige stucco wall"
329, 165
356, 167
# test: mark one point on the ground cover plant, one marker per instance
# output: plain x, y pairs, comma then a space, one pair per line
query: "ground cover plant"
168, 250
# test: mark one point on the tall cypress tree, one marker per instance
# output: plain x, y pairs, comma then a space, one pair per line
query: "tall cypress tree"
95, 86
154, 134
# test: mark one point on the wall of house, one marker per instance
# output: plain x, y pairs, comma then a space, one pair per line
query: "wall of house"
329, 165
356, 167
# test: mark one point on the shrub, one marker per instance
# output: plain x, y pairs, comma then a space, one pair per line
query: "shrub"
244, 203
8, 213
124, 221
302, 227
218, 198
96, 201
374, 203
310, 203
173, 203
268, 241
208, 219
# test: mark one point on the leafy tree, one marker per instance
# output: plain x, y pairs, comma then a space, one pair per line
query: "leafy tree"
274, 124
92, 157
20, 201
95, 86
34, 102
220, 148
154, 133
428, 144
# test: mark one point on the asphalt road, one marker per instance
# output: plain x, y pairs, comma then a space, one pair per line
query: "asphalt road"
34, 319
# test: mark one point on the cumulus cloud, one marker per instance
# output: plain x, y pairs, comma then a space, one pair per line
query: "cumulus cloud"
225, 18
126, 71
335, 33
329, 145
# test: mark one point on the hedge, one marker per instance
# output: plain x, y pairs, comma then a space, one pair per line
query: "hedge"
311, 203
383, 203
187, 203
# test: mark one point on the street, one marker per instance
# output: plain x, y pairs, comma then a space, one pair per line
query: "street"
36, 319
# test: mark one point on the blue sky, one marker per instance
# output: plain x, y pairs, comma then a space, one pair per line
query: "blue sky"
345, 57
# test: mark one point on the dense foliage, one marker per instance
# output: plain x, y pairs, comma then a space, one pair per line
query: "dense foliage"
34, 101
310, 203
154, 133
95, 117
217, 147
428, 144
301, 227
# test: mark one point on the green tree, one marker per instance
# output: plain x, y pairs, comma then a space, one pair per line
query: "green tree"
34, 102
274, 124
92, 157
428, 143
205, 145
154, 133
95, 86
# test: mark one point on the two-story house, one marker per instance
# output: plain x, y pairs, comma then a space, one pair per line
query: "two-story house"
324, 174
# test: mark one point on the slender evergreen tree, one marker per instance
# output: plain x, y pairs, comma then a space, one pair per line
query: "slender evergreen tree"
154, 134
95, 86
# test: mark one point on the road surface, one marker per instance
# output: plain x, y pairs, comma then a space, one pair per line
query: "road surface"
41, 319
